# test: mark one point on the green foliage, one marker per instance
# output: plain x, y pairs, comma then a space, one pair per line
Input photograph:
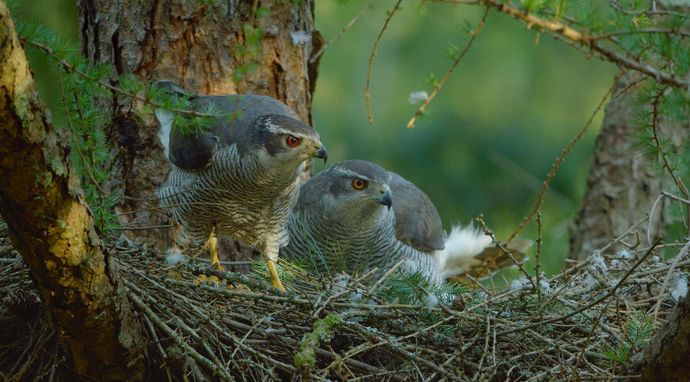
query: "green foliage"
639, 329
323, 331
286, 271
247, 53
82, 99
415, 289
85, 93
661, 111
532, 5
618, 354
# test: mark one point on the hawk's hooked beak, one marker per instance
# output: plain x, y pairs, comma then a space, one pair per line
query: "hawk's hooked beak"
322, 154
386, 200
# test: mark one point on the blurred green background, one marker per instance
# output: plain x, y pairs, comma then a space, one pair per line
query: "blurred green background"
488, 139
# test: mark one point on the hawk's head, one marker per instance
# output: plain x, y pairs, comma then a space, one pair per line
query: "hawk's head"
282, 139
356, 190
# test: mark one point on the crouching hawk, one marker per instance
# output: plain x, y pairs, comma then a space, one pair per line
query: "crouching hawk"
356, 216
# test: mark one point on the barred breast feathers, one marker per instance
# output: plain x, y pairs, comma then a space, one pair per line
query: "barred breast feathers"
332, 247
231, 192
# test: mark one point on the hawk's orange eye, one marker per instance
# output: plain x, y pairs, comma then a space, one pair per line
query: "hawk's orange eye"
293, 141
359, 184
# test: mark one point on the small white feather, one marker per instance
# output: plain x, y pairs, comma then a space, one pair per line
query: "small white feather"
173, 256
431, 301
417, 97
624, 254
545, 285
680, 290
461, 246
165, 119
519, 283
300, 37
597, 263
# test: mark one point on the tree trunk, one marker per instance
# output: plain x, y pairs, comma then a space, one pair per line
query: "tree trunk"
211, 47
52, 228
622, 184
666, 357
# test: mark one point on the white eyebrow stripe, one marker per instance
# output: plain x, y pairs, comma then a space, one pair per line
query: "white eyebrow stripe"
349, 173
276, 129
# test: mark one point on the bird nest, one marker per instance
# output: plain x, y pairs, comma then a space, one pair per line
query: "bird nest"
201, 324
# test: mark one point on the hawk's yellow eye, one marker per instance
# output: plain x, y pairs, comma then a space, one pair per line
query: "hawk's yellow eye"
293, 141
359, 184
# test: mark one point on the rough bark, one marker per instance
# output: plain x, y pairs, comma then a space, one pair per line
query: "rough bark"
205, 47
52, 228
666, 357
622, 184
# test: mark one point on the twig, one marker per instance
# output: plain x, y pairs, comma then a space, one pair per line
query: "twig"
681, 255
557, 28
473, 36
143, 228
180, 342
367, 92
478, 284
557, 164
657, 142
676, 198
71, 68
486, 346
622, 236
385, 275
672, 31
333, 297
537, 266
505, 251
655, 136
401, 351
347, 26
650, 219
593, 303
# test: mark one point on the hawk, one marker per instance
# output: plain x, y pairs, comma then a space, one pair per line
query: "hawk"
357, 216
240, 175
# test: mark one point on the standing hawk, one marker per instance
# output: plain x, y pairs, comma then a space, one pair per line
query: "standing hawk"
240, 176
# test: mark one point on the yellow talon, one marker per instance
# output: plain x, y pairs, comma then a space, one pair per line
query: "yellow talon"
275, 280
212, 244
213, 280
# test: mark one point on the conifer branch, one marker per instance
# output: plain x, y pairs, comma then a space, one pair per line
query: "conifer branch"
115, 89
583, 39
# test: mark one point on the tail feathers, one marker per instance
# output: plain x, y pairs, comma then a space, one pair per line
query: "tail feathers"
165, 119
461, 247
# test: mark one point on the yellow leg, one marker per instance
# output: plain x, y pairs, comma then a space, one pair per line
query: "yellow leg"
275, 280
213, 249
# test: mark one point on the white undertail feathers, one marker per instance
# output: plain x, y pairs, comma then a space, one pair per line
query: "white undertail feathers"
165, 119
461, 247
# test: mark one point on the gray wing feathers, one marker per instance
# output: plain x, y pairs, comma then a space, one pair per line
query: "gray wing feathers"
237, 114
417, 222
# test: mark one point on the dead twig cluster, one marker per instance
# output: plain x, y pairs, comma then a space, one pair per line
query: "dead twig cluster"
203, 324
